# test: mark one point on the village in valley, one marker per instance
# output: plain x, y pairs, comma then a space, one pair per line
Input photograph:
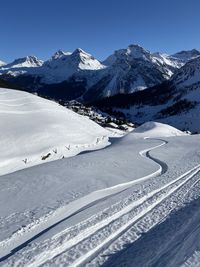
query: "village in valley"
105, 120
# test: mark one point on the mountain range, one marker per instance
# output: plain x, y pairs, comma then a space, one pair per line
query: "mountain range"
175, 101
79, 75
140, 84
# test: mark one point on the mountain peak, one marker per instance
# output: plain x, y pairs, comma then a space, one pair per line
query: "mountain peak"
129, 54
28, 61
79, 51
60, 53
137, 51
136, 47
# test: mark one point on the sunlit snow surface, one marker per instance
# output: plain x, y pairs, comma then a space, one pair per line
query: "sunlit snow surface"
34, 130
133, 203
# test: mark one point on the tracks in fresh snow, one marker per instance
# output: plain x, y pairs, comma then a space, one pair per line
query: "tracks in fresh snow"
22, 238
78, 249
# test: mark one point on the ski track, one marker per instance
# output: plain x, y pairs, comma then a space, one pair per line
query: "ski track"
24, 236
86, 245
77, 248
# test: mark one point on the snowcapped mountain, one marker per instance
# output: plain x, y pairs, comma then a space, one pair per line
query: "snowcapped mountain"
177, 60
129, 54
59, 54
64, 65
78, 74
136, 52
2, 63
169, 62
57, 131
175, 102
20, 66
25, 62
129, 70
185, 56
188, 75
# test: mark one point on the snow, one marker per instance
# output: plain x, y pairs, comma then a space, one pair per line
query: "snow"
125, 71
2, 63
167, 60
60, 54
100, 208
26, 62
155, 129
58, 68
185, 56
135, 68
65, 64
186, 84
188, 75
32, 127
21, 66
133, 51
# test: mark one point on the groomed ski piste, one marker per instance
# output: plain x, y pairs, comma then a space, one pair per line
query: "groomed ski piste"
133, 203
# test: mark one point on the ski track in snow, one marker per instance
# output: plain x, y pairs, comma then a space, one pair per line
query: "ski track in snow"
87, 244
24, 236
90, 242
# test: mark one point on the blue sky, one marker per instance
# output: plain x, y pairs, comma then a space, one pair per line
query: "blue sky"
41, 27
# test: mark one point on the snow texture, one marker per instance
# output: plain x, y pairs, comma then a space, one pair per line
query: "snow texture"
34, 130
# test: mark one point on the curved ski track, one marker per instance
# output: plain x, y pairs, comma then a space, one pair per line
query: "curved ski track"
95, 235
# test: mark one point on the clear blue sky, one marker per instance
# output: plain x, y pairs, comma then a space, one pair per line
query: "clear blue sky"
41, 27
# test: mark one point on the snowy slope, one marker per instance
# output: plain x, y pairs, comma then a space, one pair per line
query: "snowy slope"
34, 130
106, 207
155, 129
171, 63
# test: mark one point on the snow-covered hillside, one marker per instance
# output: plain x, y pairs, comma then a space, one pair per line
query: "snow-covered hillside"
155, 129
34, 130
134, 203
